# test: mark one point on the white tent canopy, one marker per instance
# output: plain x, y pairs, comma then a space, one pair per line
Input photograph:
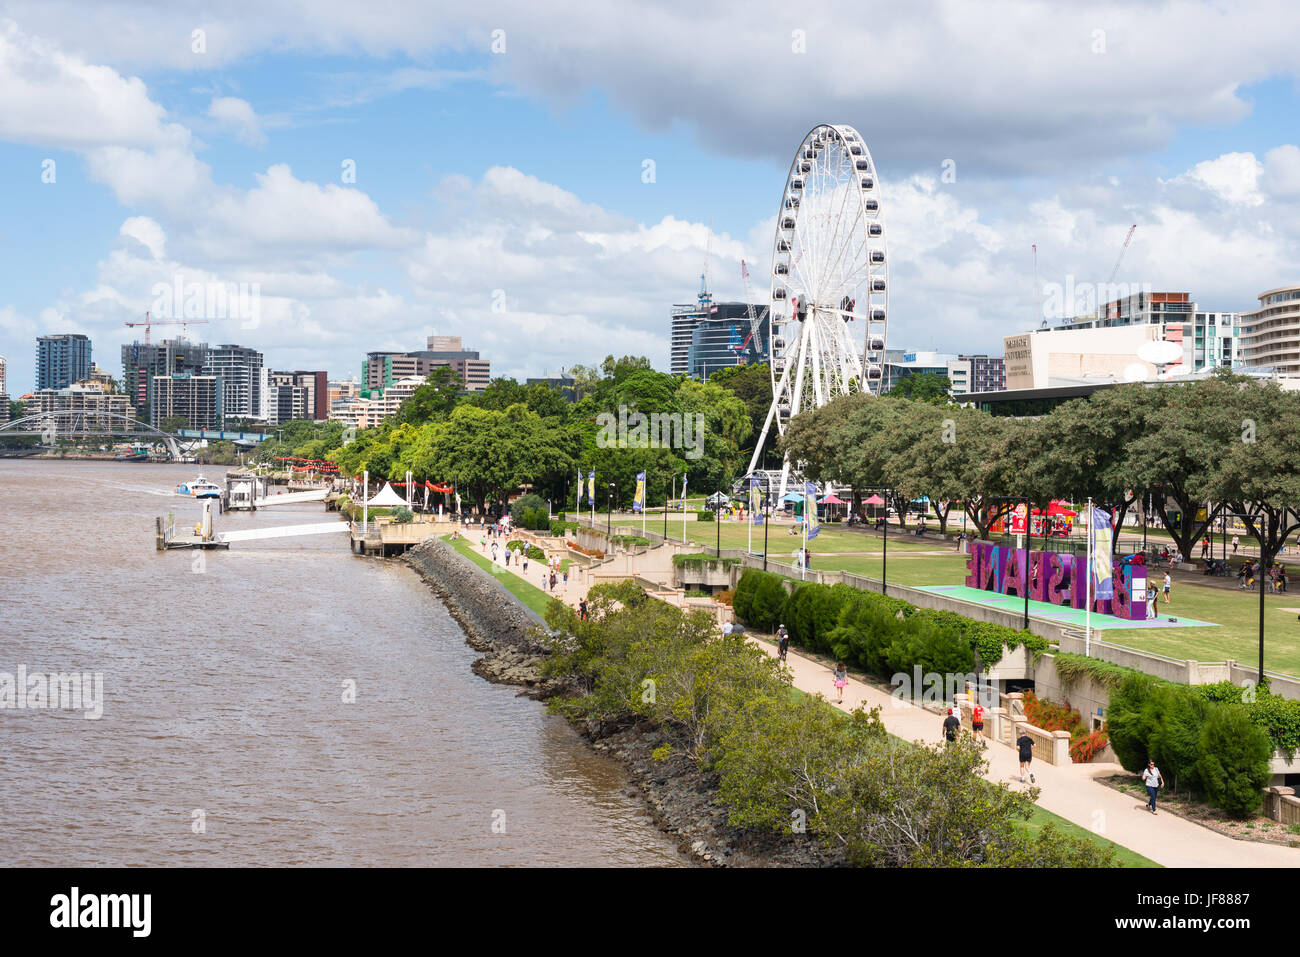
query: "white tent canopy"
386, 496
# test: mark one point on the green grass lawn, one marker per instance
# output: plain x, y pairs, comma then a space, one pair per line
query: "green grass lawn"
1042, 817
1234, 613
530, 595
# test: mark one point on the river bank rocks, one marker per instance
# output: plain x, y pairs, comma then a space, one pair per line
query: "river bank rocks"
684, 803
682, 800
509, 637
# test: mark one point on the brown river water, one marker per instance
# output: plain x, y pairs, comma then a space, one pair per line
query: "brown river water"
225, 739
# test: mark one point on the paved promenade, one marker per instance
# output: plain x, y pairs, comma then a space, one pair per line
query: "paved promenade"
1069, 792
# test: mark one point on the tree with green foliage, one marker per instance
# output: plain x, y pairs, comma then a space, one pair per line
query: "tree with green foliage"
433, 400
924, 387
1234, 762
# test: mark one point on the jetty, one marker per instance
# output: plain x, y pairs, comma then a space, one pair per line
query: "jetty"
205, 536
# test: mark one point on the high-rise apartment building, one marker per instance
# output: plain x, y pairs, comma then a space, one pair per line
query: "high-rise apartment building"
382, 369
143, 363
243, 380
726, 337
61, 360
311, 402
1270, 335
977, 374
194, 398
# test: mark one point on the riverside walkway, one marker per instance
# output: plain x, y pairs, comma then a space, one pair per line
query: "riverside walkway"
1069, 791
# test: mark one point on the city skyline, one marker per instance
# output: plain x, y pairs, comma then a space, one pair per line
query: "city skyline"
501, 178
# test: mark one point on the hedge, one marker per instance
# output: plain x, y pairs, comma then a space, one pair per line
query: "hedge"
558, 528
531, 550
704, 515
628, 540
876, 633
700, 559
1202, 738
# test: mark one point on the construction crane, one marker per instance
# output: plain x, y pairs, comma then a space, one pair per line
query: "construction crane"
1122, 250
754, 325
148, 322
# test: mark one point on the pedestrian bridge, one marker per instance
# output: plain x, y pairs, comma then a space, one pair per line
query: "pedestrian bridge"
81, 425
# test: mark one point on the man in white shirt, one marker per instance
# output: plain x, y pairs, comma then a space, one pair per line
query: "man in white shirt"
1152, 779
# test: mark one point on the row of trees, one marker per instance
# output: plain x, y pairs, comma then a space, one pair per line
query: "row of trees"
788, 765
489, 443
1230, 441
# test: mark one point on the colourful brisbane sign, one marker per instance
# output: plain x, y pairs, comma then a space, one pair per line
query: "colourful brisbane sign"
1054, 578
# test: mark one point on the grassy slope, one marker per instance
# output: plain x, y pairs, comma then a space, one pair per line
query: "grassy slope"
530, 595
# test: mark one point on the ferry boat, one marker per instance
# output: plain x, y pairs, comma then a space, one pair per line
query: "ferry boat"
199, 488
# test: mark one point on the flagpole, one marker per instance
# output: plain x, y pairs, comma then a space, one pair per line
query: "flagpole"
803, 545
750, 548
1087, 588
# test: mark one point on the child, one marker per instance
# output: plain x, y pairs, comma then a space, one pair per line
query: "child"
841, 679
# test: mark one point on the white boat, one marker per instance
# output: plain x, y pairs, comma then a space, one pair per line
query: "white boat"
199, 488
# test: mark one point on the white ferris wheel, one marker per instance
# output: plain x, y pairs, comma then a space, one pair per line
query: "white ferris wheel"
830, 292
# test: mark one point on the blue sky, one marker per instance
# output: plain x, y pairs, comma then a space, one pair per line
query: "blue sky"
520, 174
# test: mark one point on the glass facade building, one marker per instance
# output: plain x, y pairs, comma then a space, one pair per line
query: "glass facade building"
61, 360
726, 337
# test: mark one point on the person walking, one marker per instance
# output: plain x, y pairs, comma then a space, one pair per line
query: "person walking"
1151, 603
1025, 744
951, 726
1205, 546
1154, 782
977, 723
582, 609
1168, 584
1235, 543
553, 580
782, 643
525, 561
841, 679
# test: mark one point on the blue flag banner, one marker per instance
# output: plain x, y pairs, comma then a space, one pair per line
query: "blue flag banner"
591, 489
1099, 535
810, 509
638, 500
755, 500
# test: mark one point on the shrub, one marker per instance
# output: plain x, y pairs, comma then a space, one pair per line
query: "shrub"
704, 515
1087, 747
558, 528
531, 512
768, 600
1129, 732
1234, 760
700, 559
1175, 715
402, 514
725, 596
532, 551
1070, 668
743, 601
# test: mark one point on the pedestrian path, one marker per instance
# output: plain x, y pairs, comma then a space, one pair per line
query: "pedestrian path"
1069, 792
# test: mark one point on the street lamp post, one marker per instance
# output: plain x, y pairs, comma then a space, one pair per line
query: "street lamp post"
609, 518
767, 516
1029, 538
884, 561
667, 499
717, 521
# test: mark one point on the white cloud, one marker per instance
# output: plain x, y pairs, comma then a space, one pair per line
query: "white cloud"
1233, 177
237, 115
51, 98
